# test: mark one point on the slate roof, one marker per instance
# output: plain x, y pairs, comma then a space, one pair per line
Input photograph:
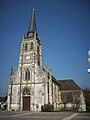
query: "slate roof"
55, 81
68, 85
32, 26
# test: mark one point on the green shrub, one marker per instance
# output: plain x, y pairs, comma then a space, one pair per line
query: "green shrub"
47, 108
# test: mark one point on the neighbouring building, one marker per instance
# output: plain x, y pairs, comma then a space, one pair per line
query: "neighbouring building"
3, 103
72, 95
30, 85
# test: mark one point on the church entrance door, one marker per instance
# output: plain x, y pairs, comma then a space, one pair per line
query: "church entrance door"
26, 99
26, 103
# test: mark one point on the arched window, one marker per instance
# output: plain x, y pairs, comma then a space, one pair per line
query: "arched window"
38, 49
31, 45
38, 60
26, 46
26, 92
27, 75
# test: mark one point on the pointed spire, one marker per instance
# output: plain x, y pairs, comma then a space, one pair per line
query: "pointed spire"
32, 26
46, 66
50, 70
11, 70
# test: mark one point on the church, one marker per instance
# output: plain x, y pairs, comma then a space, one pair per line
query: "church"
31, 86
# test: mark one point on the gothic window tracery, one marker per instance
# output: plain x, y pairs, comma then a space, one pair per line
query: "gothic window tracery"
26, 92
27, 75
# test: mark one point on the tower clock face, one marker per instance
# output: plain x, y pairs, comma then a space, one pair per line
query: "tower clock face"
28, 57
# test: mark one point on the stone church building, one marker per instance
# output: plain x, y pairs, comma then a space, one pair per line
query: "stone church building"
30, 85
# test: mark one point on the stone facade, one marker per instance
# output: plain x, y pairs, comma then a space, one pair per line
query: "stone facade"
30, 85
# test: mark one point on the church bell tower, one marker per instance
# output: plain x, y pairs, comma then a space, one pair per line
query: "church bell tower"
29, 62
31, 49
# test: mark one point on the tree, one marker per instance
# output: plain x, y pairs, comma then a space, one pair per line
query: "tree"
87, 98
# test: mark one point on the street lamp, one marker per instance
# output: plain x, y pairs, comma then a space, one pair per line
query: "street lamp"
89, 56
88, 70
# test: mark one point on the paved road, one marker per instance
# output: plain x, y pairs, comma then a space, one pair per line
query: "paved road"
82, 116
24, 115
